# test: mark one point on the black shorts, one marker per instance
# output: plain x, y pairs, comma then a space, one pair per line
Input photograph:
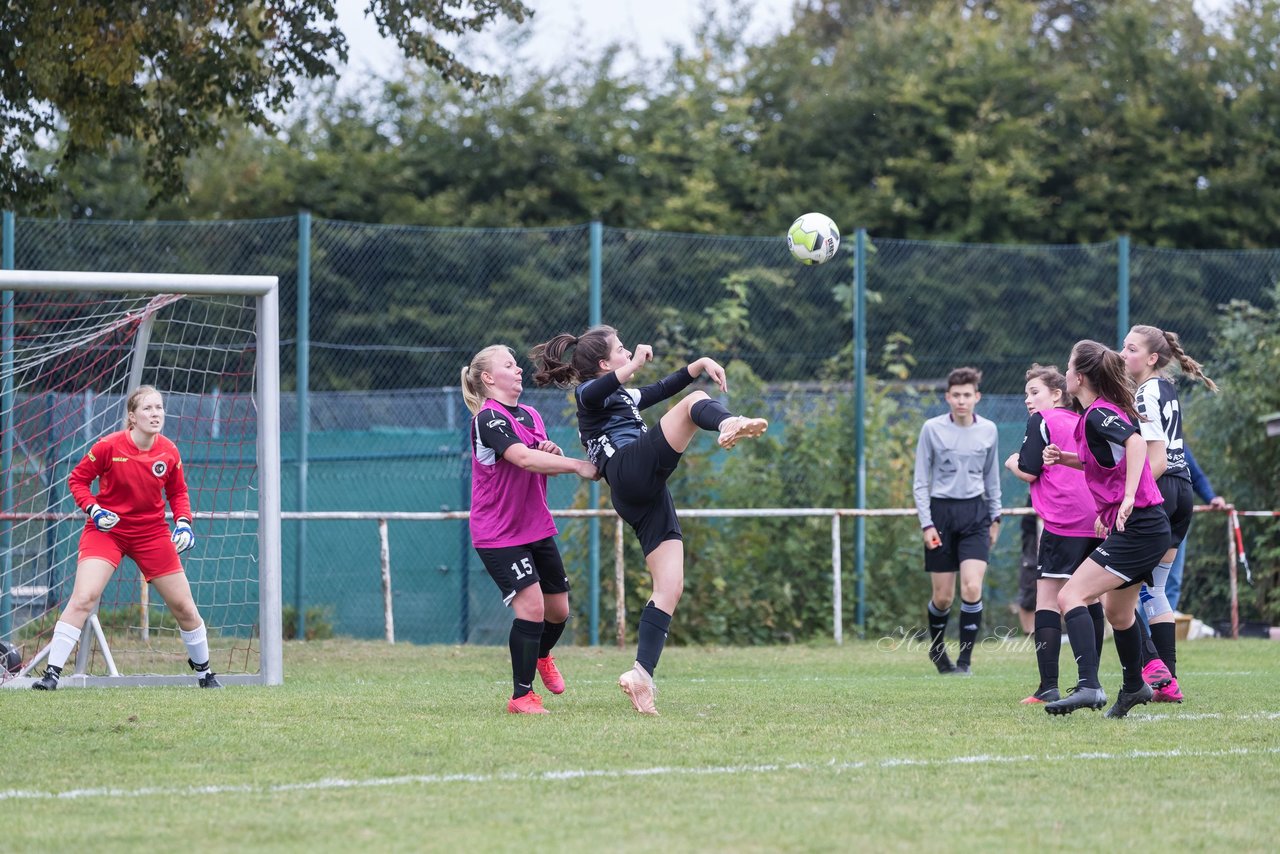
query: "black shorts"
1134, 552
1059, 555
1028, 575
964, 525
637, 477
1178, 504
513, 568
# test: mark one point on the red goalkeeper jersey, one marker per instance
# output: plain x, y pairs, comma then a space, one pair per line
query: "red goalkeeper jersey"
133, 484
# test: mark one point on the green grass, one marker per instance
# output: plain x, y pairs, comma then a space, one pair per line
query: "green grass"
776, 749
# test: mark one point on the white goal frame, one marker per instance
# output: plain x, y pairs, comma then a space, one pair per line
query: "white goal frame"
267, 399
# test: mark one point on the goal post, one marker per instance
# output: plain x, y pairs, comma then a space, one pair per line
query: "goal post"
73, 345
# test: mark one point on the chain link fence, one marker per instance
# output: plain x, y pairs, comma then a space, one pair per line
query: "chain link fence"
392, 313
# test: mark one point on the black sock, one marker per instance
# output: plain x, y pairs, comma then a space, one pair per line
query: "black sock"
970, 623
937, 631
1129, 648
551, 633
1048, 647
1099, 626
654, 625
1148, 649
708, 414
1164, 637
1080, 632
523, 640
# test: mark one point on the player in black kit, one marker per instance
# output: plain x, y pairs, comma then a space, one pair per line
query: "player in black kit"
636, 461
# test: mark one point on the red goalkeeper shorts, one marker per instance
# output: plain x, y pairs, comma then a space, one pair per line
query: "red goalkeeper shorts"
152, 551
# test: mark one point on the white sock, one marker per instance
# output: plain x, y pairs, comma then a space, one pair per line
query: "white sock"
65, 638
197, 641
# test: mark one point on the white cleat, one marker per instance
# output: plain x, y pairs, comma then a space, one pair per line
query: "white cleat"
740, 427
638, 686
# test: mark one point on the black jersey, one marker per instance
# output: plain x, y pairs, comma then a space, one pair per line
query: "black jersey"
1160, 420
493, 434
609, 415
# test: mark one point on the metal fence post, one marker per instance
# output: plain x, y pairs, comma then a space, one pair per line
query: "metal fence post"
6, 433
593, 534
860, 421
1122, 289
303, 345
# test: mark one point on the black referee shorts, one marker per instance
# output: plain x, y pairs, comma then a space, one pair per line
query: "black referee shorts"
964, 525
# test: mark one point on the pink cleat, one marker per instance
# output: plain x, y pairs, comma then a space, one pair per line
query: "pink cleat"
740, 427
1170, 693
529, 704
551, 675
638, 685
1156, 674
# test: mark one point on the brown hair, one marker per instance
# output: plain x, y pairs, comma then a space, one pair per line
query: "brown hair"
1105, 371
134, 399
555, 368
1053, 380
473, 390
964, 376
1168, 347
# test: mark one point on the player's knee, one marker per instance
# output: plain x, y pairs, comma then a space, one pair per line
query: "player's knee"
943, 603
1156, 604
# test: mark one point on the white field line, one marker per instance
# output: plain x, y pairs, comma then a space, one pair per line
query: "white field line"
831, 766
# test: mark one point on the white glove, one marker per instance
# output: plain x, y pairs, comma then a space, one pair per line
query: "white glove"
103, 519
183, 537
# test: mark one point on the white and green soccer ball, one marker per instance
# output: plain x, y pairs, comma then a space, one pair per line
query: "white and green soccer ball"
813, 238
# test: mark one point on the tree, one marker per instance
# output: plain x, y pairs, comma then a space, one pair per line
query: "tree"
169, 75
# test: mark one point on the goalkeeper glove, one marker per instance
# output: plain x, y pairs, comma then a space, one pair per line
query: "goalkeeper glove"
103, 519
183, 537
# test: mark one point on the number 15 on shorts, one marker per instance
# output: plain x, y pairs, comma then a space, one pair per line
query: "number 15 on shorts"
522, 568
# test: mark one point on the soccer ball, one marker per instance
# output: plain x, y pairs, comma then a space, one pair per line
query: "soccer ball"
10, 658
813, 238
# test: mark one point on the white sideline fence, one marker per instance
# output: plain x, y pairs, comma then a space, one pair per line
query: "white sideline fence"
1235, 543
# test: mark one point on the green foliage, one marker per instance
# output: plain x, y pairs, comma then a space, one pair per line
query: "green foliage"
319, 622
1232, 446
168, 76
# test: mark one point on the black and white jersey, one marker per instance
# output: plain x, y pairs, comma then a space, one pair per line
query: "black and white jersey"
1160, 420
492, 433
609, 415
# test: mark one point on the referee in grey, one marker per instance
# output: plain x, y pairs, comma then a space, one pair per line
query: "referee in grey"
957, 493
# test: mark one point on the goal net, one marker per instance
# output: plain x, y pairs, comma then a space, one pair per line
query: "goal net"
72, 348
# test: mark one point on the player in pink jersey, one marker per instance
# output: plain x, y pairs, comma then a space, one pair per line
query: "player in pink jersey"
1131, 517
137, 469
1062, 500
511, 525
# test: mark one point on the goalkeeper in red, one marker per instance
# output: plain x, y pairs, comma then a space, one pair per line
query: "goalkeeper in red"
136, 469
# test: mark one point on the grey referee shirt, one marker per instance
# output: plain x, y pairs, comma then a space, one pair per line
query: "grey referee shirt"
956, 462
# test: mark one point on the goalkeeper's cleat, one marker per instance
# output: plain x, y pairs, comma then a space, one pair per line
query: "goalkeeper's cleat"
208, 679
638, 686
1127, 700
1079, 697
1156, 674
1170, 693
1045, 695
47, 682
551, 675
529, 704
941, 660
738, 427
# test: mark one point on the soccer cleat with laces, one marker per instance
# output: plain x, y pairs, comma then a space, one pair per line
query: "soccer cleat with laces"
207, 677
529, 704
638, 685
1156, 674
1127, 700
47, 682
1046, 695
551, 675
740, 427
1079, 697
1170, 693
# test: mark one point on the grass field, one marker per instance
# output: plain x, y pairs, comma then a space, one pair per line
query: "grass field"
778, 749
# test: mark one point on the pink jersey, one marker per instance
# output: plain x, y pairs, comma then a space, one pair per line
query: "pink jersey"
508, 503
1101, 431
1060, 494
